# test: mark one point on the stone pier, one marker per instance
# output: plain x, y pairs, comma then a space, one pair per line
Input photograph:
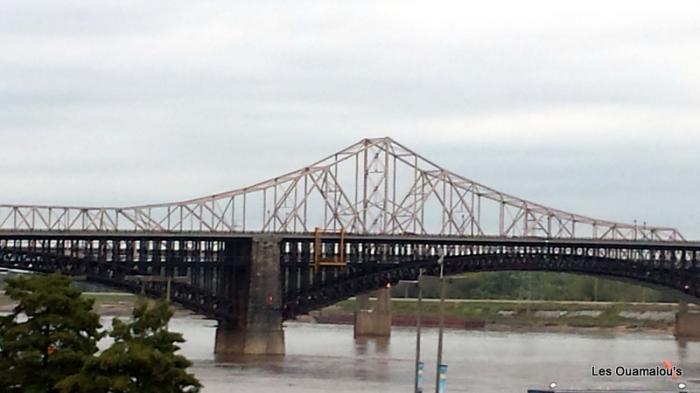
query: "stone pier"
687, 324
259, 329
375, 322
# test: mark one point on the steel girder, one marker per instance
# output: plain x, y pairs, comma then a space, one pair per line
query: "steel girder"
214, 268
373, 265
197, 295
376, 186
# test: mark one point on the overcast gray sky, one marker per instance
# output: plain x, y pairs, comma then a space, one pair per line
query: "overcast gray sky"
591, 107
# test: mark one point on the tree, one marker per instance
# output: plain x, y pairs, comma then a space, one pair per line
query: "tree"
48, 336
5, 378
141, 359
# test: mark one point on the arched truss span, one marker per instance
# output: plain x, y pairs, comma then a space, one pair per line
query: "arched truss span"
373, 265
375, 186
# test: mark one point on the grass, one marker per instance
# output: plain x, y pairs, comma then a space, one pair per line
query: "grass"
110, 297
488, 311
524, 314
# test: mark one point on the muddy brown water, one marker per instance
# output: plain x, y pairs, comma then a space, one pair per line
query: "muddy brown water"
326, 358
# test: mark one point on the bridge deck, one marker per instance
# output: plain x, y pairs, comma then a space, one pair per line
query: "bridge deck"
394, 239
218, 265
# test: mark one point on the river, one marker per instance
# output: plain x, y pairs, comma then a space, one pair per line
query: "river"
326, 358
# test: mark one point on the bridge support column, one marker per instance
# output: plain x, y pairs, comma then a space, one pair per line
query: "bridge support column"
363, 301
687, 324
376, 322
259, 330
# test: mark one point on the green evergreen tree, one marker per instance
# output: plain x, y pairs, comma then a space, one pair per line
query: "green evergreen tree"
48, 336
142, 358
5, 370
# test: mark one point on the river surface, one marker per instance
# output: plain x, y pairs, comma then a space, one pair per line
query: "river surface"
326, 358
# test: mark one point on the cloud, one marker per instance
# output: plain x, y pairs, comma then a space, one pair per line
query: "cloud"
123, 102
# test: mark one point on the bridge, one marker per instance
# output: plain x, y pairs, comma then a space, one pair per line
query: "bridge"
367, 216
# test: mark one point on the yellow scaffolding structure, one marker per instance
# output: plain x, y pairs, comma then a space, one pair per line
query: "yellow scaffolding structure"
336, 260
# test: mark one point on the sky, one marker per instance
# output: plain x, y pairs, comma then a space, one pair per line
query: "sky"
591, 107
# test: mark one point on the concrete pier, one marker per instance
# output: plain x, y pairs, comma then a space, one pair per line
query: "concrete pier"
375, 322
687, 324
259, 329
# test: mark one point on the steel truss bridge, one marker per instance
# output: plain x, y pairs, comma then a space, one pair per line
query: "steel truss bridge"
397, 212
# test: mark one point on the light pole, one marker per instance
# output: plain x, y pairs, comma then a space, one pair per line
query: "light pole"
418, 372
440, 368
419, 365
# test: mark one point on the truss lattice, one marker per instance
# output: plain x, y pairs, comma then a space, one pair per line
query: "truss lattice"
376, 186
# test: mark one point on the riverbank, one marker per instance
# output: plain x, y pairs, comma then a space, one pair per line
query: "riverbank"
491, 315
507, 315
108, 304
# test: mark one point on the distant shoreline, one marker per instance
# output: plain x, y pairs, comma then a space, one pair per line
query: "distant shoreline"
537, 315
487, 315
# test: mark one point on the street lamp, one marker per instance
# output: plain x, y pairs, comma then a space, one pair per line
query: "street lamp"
441, 369
418, 376
418, 388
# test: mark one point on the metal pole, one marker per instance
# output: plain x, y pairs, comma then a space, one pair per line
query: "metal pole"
168, 287
442, 378
439, 367
167, 299
419, 365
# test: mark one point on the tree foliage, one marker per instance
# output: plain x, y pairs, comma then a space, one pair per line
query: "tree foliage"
141, 359
48, 336
512, 285
5, 377
48, 344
